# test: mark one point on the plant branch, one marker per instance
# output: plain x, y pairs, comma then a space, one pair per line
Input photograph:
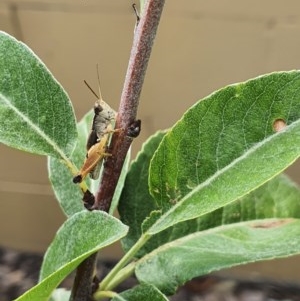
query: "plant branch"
83, 284
140, 53
144, 35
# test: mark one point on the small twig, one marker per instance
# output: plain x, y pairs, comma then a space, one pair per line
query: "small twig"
144, 35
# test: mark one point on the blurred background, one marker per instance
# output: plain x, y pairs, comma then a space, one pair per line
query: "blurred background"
201, 46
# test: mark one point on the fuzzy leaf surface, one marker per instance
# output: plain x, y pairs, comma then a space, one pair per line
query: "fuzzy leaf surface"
80, 236
278, 198
226, 146
200, 253
136, 203
144, 291
67, 193
36, 113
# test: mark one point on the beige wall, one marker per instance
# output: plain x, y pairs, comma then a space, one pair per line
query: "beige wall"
201, 46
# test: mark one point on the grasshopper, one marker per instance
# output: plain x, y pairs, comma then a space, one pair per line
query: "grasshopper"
98, 138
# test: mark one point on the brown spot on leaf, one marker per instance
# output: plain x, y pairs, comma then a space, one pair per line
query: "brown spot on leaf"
271, 224
279, 125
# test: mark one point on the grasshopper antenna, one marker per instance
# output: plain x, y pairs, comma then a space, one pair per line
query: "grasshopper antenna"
100, 96
91, 89
98, 76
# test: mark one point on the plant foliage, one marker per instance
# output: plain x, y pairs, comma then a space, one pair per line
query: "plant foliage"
204, 195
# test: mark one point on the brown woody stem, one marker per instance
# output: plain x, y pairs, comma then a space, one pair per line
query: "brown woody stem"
144, 35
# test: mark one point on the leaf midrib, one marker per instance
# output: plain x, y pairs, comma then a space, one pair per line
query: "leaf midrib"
41, 133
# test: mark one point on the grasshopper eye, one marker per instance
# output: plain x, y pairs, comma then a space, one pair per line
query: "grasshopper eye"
97, 108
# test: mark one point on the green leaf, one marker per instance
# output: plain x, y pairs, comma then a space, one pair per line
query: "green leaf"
225, 146
144, 291
36, 114
222, 247
278, 198
78, 238
136, 190
67, 193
